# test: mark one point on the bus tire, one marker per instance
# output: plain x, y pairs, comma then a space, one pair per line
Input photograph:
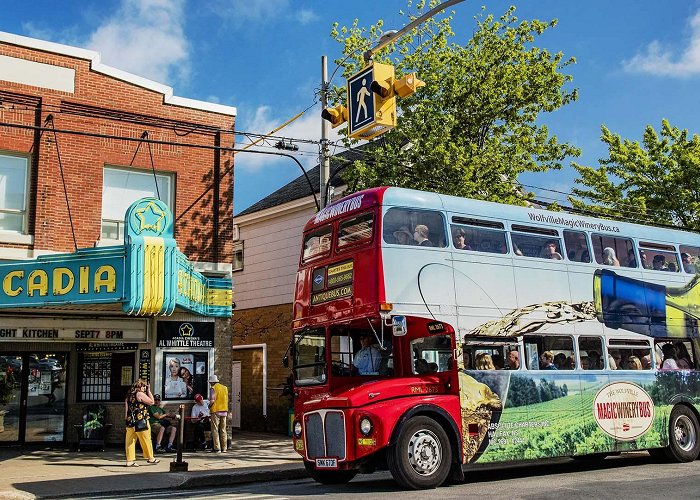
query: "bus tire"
422, 456
329, 476
683, 435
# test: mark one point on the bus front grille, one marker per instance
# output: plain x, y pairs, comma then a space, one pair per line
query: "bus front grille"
325, 434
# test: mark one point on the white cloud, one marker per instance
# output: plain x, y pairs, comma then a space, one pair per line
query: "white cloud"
661, 61
145, 37
308, 126
306, 16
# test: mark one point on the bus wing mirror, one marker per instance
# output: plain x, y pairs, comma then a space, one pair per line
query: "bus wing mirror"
398, 326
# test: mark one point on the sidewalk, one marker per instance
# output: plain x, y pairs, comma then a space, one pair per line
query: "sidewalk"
54, 473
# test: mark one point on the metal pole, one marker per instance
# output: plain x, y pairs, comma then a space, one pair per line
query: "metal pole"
325, 163
178, 465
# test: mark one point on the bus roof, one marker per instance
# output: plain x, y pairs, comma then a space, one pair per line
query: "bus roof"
401, 197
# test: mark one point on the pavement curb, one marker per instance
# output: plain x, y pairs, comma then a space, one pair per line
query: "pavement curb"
193, 481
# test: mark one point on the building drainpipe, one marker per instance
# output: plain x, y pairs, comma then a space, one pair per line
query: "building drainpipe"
264, 374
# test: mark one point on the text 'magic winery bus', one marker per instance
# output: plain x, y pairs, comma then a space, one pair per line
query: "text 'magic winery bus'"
499, 333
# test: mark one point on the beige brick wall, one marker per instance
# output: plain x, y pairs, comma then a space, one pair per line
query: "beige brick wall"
269, 325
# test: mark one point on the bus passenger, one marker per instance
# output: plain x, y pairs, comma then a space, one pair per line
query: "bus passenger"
611, 362
594, 361
484, 362
547, 361
549, 251
670, 361
609, 257
672, 266
498, 363
420, 235
688, 265
683, 356
560, 361
646, 362
513, 360
659, 263
633, 363
643, 260
403, 236
631, 260
368, 358
459, 240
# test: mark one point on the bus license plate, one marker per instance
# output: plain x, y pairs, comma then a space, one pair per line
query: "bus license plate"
326, 463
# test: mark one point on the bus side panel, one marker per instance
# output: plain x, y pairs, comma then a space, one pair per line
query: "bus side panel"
419, 282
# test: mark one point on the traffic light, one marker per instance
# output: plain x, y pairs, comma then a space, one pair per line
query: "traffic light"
337, 116
407, 85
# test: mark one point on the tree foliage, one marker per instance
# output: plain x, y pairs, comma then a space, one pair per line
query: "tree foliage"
473, 128
656, 181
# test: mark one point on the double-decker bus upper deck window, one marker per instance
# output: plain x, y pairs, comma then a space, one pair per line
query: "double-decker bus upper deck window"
355, 231
624, 354
690, 258
544, 245
577, 249
616, 251
658, 257
403, 226
317, 243
479, 239
550, 352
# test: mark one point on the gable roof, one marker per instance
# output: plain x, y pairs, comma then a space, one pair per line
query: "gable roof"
299, 187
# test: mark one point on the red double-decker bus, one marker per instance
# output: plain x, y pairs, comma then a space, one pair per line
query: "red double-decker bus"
432, 332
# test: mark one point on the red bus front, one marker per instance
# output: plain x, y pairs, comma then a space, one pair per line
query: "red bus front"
368, 382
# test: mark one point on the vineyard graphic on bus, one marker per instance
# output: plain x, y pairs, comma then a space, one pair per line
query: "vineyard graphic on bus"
516, 415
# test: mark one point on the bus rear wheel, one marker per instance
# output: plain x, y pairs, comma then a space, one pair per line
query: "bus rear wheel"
421, 456
683, 435
329, 476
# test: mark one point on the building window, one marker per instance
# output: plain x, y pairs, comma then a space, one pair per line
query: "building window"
121, 187
104, 376
238, 256
13, 192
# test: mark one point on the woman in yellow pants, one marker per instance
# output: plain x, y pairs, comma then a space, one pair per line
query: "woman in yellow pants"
137, 427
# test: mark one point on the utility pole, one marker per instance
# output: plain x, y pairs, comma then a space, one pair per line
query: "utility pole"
325, 163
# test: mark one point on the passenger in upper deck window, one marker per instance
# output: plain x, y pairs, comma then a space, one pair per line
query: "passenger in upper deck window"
403, 236
643, 259
671, 266
659, 263
609, 257
688, 265
420, 235
631, 260
459, 240
513, 360
549, 251
547, 361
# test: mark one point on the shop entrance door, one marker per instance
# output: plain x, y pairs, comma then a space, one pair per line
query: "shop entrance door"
32, 397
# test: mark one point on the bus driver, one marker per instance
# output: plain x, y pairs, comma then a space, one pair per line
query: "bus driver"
367, 359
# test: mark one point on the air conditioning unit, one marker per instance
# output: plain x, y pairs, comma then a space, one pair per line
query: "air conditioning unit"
236, 233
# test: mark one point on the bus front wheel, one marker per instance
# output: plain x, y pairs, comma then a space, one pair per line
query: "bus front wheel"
684, 435
421, 456
329, 476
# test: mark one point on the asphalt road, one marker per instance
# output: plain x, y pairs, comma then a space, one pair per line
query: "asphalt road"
628, 476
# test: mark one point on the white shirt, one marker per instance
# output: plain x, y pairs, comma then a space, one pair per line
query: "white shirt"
367, 360
203, 409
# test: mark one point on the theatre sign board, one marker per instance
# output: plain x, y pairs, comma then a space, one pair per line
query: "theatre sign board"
148, 275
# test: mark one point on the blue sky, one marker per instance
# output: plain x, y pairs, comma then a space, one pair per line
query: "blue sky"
637, 63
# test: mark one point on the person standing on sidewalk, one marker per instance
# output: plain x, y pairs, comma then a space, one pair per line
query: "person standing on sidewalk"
218, 406
136, 417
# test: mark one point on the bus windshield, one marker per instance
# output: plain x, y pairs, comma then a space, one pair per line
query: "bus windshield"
310, 357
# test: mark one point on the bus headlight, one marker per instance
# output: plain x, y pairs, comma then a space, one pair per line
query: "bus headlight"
365, 426
297, 429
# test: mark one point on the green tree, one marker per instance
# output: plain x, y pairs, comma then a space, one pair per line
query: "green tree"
473, 128
656, 181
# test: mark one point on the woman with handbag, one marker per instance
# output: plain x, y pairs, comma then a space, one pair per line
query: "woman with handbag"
136, 416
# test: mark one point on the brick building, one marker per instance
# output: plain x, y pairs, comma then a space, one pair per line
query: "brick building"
72, 160
267, 256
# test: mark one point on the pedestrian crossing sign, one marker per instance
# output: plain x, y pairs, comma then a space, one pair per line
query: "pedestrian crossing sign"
370, 114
